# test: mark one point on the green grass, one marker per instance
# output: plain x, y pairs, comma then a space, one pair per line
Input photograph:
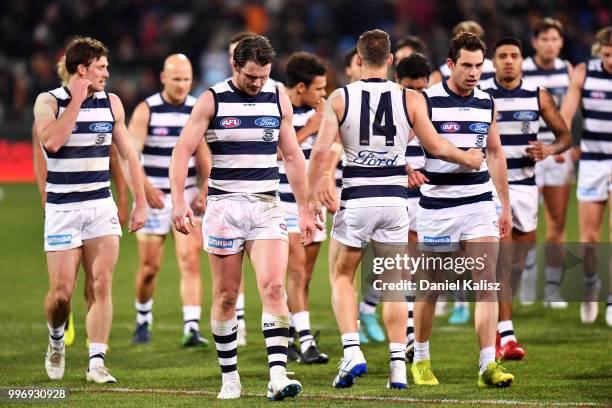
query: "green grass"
566, 361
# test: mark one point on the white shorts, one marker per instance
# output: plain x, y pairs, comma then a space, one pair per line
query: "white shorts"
292, 219
549, 173
356, 227
523, 205
68, 229
413, 204
440, 235
231, 220
159, 220
594, 180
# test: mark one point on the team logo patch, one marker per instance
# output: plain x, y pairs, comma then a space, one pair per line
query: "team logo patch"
437, 241
101, 127
59, 239
479, 127
100, 139
160, 131
114, 221
229, 123
268, 135
598, 95
283, 226
450, 127
267, 122
221, 243
525, 115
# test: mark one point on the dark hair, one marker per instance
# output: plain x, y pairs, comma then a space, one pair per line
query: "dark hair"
83, 50
303, 67
374, 47
348, 58
256, 49
414, 66
465, 41
413, 42
546, 24
241, 36
470, 27
508, 41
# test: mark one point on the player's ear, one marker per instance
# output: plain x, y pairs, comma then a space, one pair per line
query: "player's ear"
162, 77
301, 87
81, 69
359, 61
449, 63
390, 59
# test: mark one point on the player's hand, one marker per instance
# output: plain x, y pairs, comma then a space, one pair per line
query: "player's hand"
538, 151
416, 179
327, 194
575, 153
155, 197
505, 223
182, 215
138, 218
307, 224
79, 88
198, 204
316, 212
475, 158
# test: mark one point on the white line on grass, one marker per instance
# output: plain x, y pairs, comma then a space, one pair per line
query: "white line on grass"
162, 391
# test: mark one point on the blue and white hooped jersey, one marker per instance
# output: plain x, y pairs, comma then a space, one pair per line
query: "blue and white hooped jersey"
555, 80
165, 124
488, 70
596, 143
374, 132
454, 190
243, 138
415, 157
518, 115
300, 117
78, 173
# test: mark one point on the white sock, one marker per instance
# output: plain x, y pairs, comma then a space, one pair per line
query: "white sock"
144, 312
240, 306
350, 342
97, 355
553, 276
224, 334
276, 331
56, 335
191, 317
487, 356
397, 353
506, 332
421, 351
410, 325
367, 308
301, 321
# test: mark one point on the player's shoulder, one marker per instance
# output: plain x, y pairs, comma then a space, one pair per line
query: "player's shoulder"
190, 100
487, 84
487, 65
529, 64
480, 94
222, 86
529, 85
594, 65
436, 90
154, 100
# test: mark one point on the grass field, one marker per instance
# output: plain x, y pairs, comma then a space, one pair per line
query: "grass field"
568, 364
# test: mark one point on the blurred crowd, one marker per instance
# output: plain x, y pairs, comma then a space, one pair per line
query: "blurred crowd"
140, 33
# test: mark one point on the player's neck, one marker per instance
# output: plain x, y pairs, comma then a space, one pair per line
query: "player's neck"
294, 97
170, 100
371, 73
452, 85
508, 83
543, 62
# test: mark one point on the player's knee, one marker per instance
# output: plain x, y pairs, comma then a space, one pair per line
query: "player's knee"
274, 291
148, 270
226, 299
102, 286
61, 296
189, 262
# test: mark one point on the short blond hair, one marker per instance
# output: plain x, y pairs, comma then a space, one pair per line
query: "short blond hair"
603, 37
470, 27
62, 72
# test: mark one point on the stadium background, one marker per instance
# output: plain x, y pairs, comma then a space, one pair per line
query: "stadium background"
566, 360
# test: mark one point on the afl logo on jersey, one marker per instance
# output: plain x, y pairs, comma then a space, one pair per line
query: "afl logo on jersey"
160, 131
598, 95
101, 127
525, 115
267, 122
230, 123
450, 127
479, 127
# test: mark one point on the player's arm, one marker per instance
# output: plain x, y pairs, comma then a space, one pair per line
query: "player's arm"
204, 166
54, 133
431, 140
40, 166
129, 164
120, 185
327, 187
312, 124
138, 129
295, 166
496, 162
188, 142
571, 101
563, 141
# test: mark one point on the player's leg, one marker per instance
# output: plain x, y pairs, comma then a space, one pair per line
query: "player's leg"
150, 253
240, 315
590, 216
609, 300
188, 248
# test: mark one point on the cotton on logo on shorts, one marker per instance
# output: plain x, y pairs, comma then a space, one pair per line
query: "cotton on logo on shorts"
283, 226
59, 239
437, 241
221, 243
114, 220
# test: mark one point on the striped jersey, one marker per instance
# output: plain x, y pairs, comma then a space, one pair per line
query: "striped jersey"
596, 143
416, 159
243, 138
78, 173
374, 132
556, 81
488, 70
454, 190
518, 115
165, 124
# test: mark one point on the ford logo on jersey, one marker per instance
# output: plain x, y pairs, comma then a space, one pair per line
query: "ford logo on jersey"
160, 131
525, 115
371, 158
267, 122
229, 123
450, 127
101, 127
479, 127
